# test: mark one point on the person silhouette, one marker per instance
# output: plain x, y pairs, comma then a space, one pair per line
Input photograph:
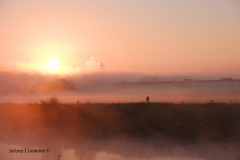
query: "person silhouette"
147, 99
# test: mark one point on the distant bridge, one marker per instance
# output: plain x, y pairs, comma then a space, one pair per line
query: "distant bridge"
189, 83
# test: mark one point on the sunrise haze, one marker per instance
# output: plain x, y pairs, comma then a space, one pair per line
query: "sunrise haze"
155, 36
119, 79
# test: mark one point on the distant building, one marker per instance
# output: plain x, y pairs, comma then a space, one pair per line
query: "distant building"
179, 78
148, 79
226, 79
187, 80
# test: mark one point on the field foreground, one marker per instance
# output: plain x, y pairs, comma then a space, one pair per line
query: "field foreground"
183, 122
157, 124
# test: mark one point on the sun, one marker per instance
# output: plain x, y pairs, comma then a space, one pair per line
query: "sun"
52, 64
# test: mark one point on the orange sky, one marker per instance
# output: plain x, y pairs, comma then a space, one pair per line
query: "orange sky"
142, 36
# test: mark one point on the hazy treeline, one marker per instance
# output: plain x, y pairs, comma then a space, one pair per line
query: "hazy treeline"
36, 82
11, 82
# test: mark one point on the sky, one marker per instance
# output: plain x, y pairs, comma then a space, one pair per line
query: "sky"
154, 36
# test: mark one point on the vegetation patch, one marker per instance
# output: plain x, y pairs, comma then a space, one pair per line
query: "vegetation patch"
184, 122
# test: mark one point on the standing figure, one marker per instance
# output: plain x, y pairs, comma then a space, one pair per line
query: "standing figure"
147, 99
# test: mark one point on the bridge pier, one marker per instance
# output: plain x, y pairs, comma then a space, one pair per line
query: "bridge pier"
205, 84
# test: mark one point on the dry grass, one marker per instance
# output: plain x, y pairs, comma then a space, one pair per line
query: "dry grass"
181, 122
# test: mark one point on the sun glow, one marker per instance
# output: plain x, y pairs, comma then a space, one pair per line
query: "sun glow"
52, 64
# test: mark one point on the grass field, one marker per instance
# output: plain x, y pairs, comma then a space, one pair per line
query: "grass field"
183, 122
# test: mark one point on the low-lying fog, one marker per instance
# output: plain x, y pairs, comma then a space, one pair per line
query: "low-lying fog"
101, 87
114, 150
175, 96
104, 87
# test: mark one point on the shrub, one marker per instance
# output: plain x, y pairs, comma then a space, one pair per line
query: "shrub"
52, 101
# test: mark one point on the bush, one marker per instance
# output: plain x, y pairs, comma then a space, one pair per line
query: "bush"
53, 101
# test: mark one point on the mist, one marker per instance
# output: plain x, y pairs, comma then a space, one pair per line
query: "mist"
119, 80
89, 131
108, 87
102, 115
